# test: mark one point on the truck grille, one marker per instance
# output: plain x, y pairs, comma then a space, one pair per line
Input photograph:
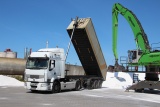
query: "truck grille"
34, 76
34, 84
33, 87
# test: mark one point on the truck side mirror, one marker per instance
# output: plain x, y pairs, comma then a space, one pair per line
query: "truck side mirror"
51, 65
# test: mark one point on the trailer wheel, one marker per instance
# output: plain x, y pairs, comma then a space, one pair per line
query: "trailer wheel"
100, 83
90, 84
56, 88
78, 86
139, 90
95, 84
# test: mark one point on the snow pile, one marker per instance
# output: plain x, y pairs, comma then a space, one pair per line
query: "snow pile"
114, 80
121, 80
118, 80
9, 81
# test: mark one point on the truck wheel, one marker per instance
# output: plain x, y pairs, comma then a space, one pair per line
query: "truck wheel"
78, 86
94, 85
139, 90
90, 84
100, 83
34, 91
56, 87
84, 84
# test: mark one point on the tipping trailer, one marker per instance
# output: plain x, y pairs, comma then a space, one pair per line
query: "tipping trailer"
46, 70
88, 49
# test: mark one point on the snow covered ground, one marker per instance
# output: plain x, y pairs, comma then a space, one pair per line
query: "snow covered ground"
114, 80
9, 81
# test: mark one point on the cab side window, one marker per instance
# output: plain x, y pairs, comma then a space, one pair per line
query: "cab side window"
51, 65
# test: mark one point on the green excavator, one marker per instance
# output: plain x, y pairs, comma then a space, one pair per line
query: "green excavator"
143, 55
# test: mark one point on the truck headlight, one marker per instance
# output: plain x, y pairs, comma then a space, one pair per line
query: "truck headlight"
44, 85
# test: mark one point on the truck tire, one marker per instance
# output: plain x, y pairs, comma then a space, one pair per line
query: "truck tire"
84, 84
56, 88
34, 91
89, 84
139, 90
100, 83
94, 85
78, 86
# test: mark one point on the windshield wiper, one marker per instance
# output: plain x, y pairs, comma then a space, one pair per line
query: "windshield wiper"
36, 67
42, 67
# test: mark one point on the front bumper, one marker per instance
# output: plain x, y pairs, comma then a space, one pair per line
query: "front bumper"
37, 86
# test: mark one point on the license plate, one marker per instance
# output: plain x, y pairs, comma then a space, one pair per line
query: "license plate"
33, 84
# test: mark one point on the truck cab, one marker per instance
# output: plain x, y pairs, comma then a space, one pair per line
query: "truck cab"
45, 71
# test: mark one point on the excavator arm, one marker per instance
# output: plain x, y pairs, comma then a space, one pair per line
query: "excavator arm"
147, 57
139, 34
143, 56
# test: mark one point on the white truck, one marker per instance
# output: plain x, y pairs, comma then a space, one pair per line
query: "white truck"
46, 71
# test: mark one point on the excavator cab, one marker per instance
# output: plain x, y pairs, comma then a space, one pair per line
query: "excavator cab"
134, 55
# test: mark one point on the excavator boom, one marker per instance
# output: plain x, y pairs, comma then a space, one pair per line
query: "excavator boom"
142, 56
139, 34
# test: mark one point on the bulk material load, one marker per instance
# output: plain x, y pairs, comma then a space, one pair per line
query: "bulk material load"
9, 81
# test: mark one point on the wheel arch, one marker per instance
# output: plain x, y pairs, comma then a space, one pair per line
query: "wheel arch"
55, 80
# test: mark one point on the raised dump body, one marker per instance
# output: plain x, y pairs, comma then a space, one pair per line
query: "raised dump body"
88, 48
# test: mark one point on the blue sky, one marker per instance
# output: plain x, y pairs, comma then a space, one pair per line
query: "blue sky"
30, 23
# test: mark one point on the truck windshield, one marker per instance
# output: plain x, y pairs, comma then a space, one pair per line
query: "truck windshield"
37, 63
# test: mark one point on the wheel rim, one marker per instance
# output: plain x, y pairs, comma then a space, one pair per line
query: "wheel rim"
56, 87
